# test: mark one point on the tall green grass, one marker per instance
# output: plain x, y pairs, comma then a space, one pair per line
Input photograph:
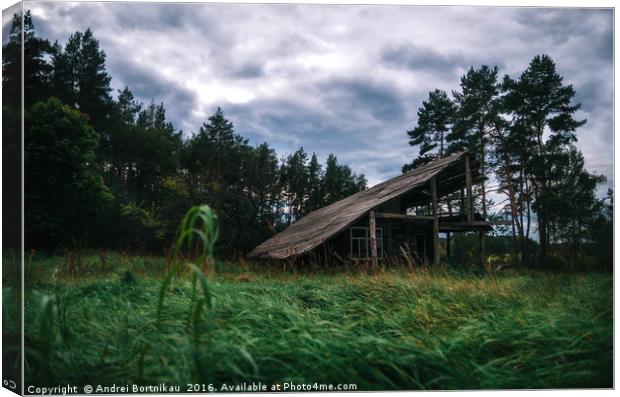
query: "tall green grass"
395, 330
112, 320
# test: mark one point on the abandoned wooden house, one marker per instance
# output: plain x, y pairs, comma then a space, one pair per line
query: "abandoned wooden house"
401, 216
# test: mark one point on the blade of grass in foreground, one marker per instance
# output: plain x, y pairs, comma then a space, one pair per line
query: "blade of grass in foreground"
198, 232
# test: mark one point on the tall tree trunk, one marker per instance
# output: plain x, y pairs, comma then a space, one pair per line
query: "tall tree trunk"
543, 227
528, 208
484, 198
542, 209
290, 210
543, 238
441, 144
514, 231
513, 211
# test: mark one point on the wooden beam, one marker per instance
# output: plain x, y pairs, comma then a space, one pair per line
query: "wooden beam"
483, 256
444, 224
470, 201
373, 240
388, 215
463, 226
435, 222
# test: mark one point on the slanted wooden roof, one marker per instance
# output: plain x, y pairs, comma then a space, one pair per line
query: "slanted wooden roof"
320, 225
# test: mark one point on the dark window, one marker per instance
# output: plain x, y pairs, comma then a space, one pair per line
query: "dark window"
360, 242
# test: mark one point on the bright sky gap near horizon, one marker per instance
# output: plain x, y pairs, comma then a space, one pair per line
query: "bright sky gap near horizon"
342, 79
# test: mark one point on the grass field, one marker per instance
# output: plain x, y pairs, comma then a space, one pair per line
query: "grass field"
428, 329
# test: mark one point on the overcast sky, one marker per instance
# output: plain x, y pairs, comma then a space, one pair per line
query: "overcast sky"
341, 79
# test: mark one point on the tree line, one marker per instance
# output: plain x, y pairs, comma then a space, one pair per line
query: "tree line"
523, 131
115, 173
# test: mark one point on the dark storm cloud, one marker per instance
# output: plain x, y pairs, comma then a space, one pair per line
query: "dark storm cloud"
250, 70
354, 95
168, 15
288, 125
593, 94
171, 16
144, 82
287, 122
450, 66
6, 29
148, 85
561, 26
416, 57
341, 79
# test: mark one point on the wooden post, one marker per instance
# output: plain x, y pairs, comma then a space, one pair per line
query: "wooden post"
373, 240
448, 253
462, 210
483, 256
470, 199
435, 222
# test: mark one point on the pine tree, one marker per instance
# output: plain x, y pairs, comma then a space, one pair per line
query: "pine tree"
539, 102
435, 119
127, 107
332, 180
475, 117
572, 203
315, 186
37, 69
476, 111
222, 150
295, 179
339, 181
215, 160
261, 186
79, 77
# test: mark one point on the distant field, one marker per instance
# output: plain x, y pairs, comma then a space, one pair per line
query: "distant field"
394, 330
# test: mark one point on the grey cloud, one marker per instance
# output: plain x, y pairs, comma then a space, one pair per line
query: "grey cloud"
146, 85
341, 79
417, 57
285, 120
6, 29
356, 96
594, 94
197, 21
151, 16
250, 70
561, 25
287, 126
